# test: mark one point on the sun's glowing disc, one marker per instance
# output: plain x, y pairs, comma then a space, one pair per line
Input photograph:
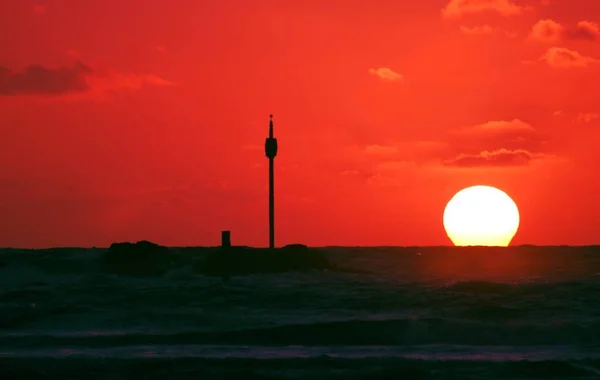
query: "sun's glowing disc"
481, 215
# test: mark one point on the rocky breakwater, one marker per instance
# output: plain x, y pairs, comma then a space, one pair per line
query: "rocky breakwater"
138, 259
231, 261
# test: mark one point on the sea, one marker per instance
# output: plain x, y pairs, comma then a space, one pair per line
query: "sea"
522, 312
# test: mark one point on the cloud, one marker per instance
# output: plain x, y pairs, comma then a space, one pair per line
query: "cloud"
496, 143
393, 166
485, 30
477, 30
38, 79
457, 8
587, 117
559, 57
550, 31
111, 82
387, 164
386, 74
403, 175
411, 150
496, 134
546, 31
501, 131
496, 158
585, 30
75, 79
381, 150
388, 173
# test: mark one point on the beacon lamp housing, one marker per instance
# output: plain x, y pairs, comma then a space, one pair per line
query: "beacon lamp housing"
271, 147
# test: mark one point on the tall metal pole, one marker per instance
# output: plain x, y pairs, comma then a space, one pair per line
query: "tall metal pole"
271, 153
271, 203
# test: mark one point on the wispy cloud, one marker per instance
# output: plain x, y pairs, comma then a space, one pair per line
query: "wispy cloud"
457, 8
559, 57
497, 127
477, 30
586, 118
386, 74
381, 149
500, 157
497, 143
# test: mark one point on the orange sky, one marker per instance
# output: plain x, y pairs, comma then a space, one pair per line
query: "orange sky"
146, 119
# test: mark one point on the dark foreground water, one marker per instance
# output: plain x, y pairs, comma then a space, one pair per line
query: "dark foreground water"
412, 313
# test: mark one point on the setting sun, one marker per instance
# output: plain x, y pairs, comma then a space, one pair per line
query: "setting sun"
481, 215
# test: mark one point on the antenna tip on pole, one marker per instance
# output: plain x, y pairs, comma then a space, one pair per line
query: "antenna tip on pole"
271, 116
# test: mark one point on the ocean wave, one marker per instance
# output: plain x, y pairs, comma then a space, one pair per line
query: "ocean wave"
483, 287
421, 352
409, 331
315, 368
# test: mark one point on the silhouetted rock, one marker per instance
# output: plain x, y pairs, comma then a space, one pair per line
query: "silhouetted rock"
243, 260
138, 259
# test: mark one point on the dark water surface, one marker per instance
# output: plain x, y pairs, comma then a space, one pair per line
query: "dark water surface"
412, 313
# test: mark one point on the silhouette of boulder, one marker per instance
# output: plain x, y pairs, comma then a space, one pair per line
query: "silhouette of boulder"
243, 260
137, 259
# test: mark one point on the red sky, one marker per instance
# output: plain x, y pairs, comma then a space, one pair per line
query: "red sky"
146, 119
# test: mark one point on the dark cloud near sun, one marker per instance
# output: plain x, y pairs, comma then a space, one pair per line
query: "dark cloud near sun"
37, 79
501, 143
498, 134
495, 143
497, 158
76, 79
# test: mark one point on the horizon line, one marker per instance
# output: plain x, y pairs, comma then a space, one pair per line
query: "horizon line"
313, 247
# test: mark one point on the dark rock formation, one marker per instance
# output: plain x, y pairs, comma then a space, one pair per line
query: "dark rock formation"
243, 260
137, 259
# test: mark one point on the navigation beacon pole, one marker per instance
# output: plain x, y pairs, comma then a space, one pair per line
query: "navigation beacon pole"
271, 152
